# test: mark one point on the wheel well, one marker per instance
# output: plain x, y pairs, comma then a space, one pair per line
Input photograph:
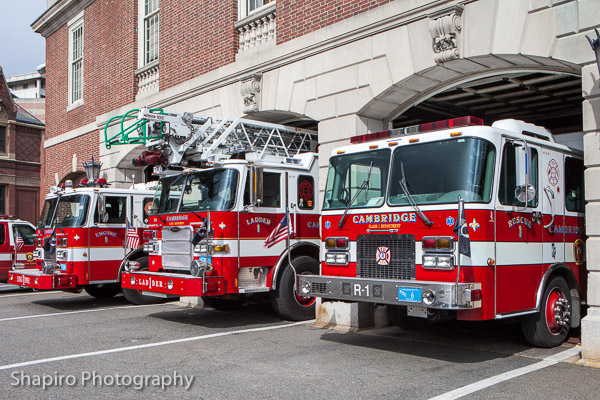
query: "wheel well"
565, 272
303, 249
132, 256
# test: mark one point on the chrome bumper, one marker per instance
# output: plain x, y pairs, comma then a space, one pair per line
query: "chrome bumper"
436, 295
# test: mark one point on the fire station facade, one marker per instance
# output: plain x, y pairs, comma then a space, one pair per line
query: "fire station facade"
343, 67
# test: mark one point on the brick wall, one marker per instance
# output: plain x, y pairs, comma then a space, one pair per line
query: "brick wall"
296, 18
195, 37
59, 158
109, 63
28, 144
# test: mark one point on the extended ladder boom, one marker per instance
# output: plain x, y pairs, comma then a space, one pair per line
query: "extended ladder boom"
184, 138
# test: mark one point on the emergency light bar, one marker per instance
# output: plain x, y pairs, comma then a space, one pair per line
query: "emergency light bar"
415, 129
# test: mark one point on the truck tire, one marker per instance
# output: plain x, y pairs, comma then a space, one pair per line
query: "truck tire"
221, 304
285, 301
550, 327
103, 290
135, 296
398, 317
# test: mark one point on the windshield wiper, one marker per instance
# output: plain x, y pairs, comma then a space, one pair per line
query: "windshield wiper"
410, 199
364, 186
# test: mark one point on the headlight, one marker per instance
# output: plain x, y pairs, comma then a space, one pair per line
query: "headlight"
201, 248
61, 254
150, 247
336, 258
37, 253
438, 261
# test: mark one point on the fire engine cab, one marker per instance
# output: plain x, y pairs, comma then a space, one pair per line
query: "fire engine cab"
81, 237
454, 219
16, 245
240, 219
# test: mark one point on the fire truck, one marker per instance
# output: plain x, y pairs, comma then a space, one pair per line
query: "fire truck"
16, 244
239, 219
81, 237
454, 219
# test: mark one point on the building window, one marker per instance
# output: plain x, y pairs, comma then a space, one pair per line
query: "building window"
2, 139
2, 199
76, 62
150, 26
246, 7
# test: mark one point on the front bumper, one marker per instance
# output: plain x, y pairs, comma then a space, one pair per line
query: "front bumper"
35, 279
164, 284
435, 295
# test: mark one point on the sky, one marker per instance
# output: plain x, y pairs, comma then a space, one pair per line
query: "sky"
21, 49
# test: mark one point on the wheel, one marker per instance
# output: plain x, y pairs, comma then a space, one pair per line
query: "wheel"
399, 317
221, 304
103, 290
135, 296
550, 327
285, 301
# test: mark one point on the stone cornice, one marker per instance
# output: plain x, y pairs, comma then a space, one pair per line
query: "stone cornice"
61, 12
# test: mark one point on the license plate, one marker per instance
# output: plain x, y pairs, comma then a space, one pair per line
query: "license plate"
63, 266
412, 295
202, 259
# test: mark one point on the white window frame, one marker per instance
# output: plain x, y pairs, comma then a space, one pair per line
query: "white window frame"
74, 25
243, 7
142, 34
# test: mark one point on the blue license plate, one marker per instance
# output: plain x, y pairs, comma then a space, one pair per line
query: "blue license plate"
412, 295
202, 259
63, 266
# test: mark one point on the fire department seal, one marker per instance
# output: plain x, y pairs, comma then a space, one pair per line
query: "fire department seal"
384, 255
553, 173
578, 251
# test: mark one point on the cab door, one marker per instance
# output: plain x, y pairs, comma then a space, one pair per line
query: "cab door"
519, 232
107, 238
5, 252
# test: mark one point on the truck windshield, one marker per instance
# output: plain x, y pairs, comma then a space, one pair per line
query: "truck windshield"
71, 211
213, 189
347, 174
439, 172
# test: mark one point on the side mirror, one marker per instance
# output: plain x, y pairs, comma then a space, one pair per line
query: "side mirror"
524, 190
256, 185
102, 214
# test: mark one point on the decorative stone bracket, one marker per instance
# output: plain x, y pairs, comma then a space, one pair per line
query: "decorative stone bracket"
445, 27
250, 90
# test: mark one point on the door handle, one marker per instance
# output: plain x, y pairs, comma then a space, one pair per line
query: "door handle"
550, 195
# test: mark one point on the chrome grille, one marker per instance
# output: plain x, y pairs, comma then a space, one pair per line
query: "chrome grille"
402, 260
176, 247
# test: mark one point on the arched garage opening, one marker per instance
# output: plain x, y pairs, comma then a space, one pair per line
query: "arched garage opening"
546, 95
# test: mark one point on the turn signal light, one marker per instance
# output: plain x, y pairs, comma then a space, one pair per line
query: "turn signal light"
221, 248
438, 243
336, 243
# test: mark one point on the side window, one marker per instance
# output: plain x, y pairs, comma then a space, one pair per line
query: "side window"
27, 233
574, 190
271, 190
306, 192
2, 233
149, 207
116, 208
509, 173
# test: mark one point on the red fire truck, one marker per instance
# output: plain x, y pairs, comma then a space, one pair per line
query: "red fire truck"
231, 224
16, 245
81, 237
454, 219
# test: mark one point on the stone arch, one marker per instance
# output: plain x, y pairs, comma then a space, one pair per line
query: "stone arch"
419, 87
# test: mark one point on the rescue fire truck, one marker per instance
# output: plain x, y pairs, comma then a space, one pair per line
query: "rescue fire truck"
81, 238
454, 219
241, 219
16, 245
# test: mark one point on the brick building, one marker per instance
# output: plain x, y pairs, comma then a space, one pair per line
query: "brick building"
343, 67
21, 137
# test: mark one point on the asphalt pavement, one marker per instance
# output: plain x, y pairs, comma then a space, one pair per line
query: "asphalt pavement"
58, 345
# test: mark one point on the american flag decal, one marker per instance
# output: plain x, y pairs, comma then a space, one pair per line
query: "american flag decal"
133, 239
279, 233
19, 243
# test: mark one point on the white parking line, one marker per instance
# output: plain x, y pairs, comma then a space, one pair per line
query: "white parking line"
31, 294
145, 346
76, 312
485, 383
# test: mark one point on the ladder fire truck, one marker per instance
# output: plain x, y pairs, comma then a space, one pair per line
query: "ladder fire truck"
454, 219
240, 219
81, 238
